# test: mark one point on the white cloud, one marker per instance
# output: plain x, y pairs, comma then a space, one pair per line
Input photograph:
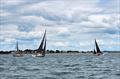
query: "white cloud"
61, 10
9, 27
36, 19
69, 24
10, 2
3, 13
61, 44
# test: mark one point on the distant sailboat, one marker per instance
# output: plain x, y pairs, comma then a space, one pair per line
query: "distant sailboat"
17, 53
97, 51
42, 48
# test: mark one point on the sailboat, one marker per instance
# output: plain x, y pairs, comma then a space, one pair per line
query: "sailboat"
97, 52
17, 53
42, 48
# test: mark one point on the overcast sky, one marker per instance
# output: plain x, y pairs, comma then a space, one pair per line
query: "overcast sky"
70, 24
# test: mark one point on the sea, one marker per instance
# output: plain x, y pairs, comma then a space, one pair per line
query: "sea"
60, 66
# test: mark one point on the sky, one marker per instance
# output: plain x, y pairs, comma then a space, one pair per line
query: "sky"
70, 24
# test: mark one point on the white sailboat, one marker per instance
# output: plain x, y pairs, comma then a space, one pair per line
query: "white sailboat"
42, 48
17, 53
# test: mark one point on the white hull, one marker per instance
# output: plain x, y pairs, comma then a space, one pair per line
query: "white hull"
17, 55
37, 55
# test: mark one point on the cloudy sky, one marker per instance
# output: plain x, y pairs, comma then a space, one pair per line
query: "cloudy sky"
70, 24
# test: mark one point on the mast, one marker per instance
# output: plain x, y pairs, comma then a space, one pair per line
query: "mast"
94, 52
44, 49
17, 46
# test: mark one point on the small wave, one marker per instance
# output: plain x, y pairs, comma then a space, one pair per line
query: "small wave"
100, 70
1, 63
73, 65
15, 77
89, 65
60, 73
2, 69
19, 76
91, 78
99, 67
27, 69
118, 74
74, 69
93, 75
80, 77
49, 78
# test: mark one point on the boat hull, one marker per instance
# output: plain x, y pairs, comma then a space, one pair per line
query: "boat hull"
98, 54
37, 55
18, 55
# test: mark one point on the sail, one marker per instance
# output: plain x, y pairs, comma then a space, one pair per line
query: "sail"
42, 42
94, 52
44, 49
97, 47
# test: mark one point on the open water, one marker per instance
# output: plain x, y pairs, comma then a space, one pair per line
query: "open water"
61, 66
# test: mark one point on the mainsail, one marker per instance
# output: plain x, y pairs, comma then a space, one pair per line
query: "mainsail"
97, 47
97, 51
94, 52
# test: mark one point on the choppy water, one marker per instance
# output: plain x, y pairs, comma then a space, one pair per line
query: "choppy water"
60, 67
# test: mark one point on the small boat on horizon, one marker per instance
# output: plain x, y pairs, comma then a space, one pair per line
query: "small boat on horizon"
17, 53
97, 52
40, 52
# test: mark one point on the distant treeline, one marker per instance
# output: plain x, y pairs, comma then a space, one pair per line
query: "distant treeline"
5, 52
29, 51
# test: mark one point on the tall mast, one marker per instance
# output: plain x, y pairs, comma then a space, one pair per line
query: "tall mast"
94, 52
17, 46
44, 49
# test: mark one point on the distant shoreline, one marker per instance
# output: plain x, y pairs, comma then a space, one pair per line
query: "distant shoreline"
10, 52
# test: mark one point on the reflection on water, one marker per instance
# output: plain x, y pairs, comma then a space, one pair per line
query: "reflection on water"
60, 67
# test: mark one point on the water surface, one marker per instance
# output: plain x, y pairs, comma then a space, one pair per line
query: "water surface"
61, 66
